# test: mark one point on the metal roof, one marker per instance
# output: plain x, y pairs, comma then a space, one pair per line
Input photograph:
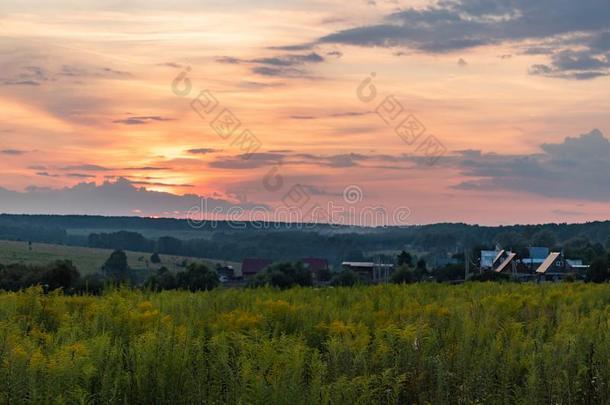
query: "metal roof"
548, 262
366, 264
499, 255
506, 262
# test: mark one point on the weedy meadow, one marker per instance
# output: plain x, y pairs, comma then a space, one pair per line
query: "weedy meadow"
390, 344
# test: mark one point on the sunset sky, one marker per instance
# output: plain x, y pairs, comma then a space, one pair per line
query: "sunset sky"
516, 93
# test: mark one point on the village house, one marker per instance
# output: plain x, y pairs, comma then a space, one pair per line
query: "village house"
542, 264
251, 266
315, 266
370, 271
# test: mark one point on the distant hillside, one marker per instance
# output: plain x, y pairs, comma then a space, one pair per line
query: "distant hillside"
226, 241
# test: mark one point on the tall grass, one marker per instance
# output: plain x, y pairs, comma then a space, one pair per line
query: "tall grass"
426, 343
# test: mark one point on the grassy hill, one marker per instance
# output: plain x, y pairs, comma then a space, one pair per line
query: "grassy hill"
89, 260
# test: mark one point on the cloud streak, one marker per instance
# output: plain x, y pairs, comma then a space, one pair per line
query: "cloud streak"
285, 65
13, 152
337, 161
142, 120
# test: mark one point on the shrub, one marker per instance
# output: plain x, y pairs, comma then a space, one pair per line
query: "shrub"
116, 267
283, 275
154, 258
403, 275
197, 277
490, 276
451, 272
59, 274
598, 272
162, 280
346, 278
324, 274
93, 284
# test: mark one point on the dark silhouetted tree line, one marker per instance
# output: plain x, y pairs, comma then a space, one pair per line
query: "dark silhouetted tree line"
59, 274
197, 277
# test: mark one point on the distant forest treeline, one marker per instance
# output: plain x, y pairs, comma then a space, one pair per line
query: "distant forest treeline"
287, 242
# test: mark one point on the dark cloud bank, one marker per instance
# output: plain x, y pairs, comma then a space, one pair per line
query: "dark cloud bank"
574, 34
121, 197
578, 168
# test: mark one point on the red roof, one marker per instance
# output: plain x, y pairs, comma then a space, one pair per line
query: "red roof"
315, 264
252, 265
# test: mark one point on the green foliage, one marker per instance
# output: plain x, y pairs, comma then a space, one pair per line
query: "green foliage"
283, 275
598, 272
93, 284
544, 238
154, 258
324, 274
116, 267
282, 242
450, 272
197, 277
404, 258
162, 280
395, 344
345, 278
59, 274
403, 275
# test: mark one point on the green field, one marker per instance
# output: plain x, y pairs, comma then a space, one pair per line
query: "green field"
416, 344
89, 260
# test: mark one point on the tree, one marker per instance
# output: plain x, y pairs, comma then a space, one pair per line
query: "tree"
283, 275
169, 245
450, 272
116, 267
514, 241
60, 274
197, 277
404, 258
421, 264
324, 274
576, 246
163, 280
91, 284
120, 240
403, 275
346, 278
154, 258
598, 272
544, 238
280, 279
